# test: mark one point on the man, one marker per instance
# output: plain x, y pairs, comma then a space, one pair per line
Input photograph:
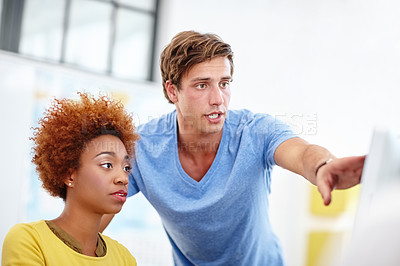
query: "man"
206, 170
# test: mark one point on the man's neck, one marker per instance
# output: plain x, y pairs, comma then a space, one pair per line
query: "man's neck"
197, 153
199, 144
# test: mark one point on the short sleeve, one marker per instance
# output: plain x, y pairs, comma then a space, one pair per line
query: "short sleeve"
133, 187
271, 132
20, 247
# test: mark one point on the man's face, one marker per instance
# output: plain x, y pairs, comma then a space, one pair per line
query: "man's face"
203, 100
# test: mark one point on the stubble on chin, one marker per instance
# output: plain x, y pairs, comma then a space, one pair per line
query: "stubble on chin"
191, 124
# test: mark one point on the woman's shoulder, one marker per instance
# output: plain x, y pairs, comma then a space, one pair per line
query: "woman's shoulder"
22, 244
25, 234
110, 242
25, 228
118, 249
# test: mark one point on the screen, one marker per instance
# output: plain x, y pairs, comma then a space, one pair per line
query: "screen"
376, 233
381, 172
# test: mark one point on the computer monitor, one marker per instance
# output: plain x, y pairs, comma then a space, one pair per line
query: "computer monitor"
381, 171
376, 233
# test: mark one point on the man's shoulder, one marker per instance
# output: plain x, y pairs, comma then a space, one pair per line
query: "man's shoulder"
239, 115
253, 123
159, 125
244, 116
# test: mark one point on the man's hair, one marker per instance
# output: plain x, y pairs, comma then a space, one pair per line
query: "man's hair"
67, 127
187, 49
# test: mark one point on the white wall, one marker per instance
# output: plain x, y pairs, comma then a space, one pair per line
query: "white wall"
16, 104
334, 64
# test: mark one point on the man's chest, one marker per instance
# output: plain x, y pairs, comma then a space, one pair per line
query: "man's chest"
196, 168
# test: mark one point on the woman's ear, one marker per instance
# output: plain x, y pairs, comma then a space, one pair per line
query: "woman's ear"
172, 91
69, 181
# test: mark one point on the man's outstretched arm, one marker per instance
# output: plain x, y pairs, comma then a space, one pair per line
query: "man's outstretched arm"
319, 166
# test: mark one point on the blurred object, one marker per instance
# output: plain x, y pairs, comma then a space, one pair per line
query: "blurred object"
321, 245
41, 36
381, 171
88, 35
341, 201
133, 41
107, 37
376, 234
377, 241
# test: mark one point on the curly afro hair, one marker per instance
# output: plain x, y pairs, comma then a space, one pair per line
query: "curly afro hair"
67, 127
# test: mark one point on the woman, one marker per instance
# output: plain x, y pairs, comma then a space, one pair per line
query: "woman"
82, 153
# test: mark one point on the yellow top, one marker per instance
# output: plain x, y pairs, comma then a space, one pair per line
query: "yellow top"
35, 244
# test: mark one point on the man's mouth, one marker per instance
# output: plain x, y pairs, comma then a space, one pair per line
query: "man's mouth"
213, 116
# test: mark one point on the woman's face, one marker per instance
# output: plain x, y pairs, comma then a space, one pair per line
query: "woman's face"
100, 184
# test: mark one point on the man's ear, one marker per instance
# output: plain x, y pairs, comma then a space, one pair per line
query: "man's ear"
172, 91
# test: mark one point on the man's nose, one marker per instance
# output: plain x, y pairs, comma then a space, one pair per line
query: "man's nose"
216, 97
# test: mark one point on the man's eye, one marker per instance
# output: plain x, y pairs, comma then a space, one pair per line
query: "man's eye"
201, 86
106, 165
224, 84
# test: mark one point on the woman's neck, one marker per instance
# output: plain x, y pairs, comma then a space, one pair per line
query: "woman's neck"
82, 227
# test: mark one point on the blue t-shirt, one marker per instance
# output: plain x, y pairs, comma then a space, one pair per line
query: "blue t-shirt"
222, 219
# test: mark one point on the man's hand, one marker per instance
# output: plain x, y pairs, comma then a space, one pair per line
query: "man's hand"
298, 156
340, 173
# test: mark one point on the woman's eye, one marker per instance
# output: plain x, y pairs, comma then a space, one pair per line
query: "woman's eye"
127, 168
106, 165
